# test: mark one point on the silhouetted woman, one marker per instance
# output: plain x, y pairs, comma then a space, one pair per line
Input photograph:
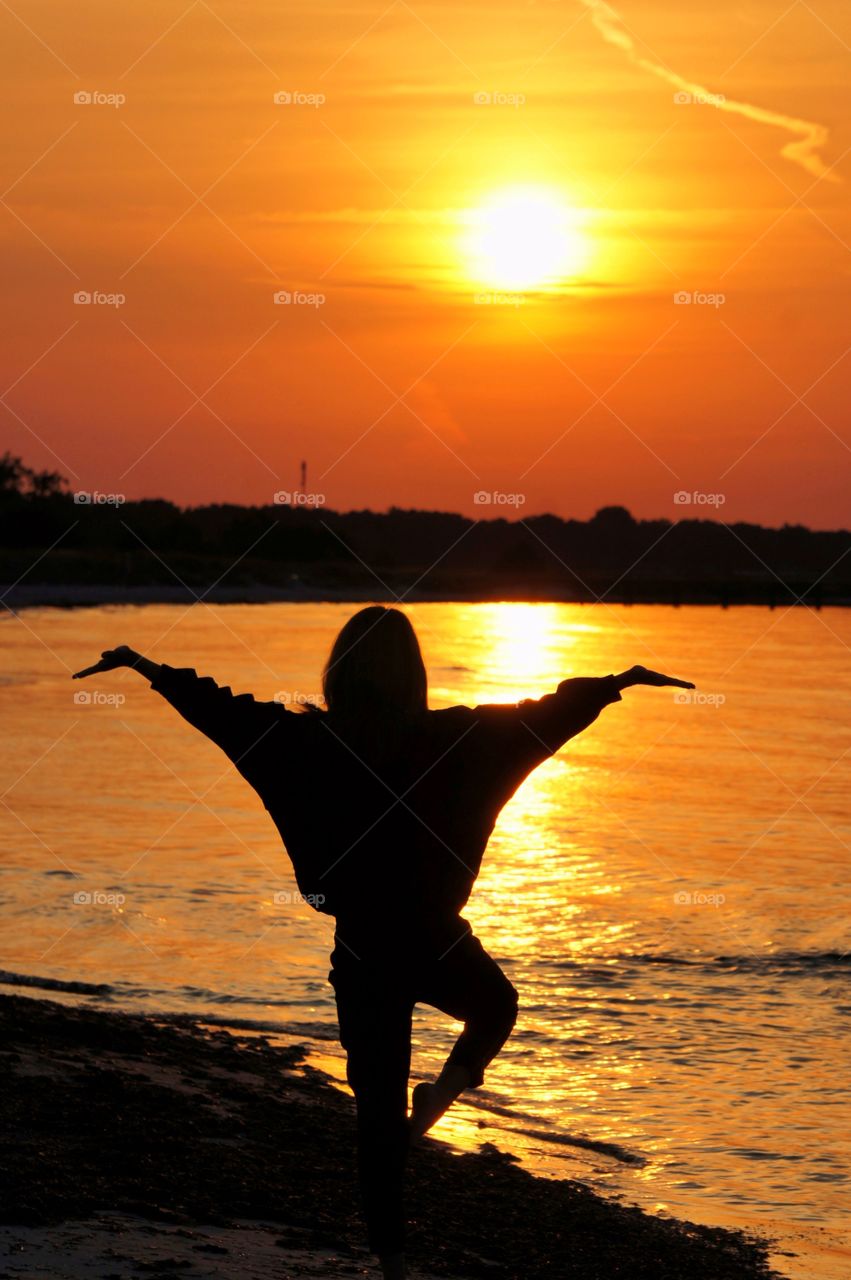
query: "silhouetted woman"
385, 808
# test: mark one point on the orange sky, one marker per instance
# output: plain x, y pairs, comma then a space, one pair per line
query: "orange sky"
199, 197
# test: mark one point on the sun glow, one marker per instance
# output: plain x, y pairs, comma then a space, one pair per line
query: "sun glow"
525, 238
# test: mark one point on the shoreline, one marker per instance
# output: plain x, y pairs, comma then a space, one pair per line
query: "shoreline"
93, 595
183, 1147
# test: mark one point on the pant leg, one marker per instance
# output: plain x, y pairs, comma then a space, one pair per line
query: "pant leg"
375, 1030
469, 985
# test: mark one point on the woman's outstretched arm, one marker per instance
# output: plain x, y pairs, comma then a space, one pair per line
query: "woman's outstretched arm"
524, 734
577, 703
237, 723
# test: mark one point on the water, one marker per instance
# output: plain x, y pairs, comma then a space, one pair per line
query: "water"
670, 894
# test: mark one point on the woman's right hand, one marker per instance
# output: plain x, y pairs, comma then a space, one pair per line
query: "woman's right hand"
642, 675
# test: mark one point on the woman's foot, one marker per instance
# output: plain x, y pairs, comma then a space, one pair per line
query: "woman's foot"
393, 1266
424, 1110
430, 1101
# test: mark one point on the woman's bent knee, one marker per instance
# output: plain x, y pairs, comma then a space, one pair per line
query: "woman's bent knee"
506, 1008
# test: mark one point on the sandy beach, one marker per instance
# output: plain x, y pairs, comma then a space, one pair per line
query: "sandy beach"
136, 1148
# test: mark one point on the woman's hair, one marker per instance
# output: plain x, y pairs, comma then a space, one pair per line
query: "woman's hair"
376, 668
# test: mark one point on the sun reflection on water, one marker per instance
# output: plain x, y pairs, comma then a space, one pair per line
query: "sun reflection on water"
522, 645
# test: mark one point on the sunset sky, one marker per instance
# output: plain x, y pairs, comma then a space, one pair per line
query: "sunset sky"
483, 214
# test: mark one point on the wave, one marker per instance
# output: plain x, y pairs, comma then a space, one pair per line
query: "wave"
612, 1149
125, 993
779, 962
300, 1030
527, 1124
9, 979
789, 962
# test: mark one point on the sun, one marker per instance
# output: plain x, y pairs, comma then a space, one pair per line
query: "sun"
524, 238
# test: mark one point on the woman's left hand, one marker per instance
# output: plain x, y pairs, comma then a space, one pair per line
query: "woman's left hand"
642, 675
110, 660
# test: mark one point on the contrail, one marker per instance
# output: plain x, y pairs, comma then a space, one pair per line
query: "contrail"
808, 139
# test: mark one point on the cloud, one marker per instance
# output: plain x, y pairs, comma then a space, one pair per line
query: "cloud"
808, 137
433, 413
349, 216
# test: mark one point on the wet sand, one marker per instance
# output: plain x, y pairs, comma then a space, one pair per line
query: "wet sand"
134, 1148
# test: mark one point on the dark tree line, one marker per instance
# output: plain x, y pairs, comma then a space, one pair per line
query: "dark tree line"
156, 542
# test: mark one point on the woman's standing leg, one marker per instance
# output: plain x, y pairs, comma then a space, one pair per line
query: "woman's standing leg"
375, 1030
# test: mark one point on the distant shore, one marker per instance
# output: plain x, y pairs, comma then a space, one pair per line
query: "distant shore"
69, 548
138, 1146
91, 595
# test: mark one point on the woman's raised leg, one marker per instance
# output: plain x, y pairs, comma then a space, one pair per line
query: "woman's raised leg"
469, 985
